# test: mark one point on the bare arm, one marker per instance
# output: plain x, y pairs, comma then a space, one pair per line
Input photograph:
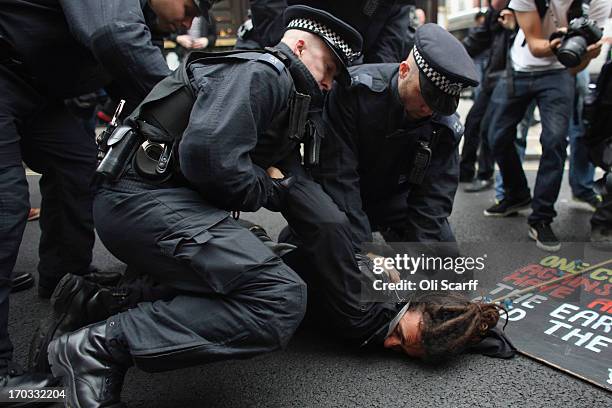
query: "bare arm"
530, 23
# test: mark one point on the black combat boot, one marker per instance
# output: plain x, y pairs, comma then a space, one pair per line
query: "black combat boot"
77, 301
16, 378
92, 365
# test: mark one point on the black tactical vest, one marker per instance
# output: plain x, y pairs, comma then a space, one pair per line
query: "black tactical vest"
163, 115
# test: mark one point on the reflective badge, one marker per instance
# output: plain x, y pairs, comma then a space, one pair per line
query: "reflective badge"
273, 61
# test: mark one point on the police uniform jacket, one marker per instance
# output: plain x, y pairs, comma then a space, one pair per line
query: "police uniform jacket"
368, 152
223, 152
74, 47
237, 126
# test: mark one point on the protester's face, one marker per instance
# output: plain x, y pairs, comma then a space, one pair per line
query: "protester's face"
173, 15
406, 338
319, 59
410, 92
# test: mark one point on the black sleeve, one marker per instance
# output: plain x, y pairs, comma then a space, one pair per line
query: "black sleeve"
338, 169
234, 105
117, 34
390, 45
480, 38
430, 203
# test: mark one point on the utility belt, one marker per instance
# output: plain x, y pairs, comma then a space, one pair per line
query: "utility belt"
151, 135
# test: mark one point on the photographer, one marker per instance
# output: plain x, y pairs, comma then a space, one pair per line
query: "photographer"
537, 73
495, 35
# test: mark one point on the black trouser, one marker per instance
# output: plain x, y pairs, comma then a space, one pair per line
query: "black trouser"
43, 134
235, 299
473, 137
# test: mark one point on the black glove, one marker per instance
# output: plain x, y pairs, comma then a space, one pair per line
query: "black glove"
278, 193
279, 248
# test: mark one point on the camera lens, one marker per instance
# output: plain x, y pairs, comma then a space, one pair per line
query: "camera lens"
571, 51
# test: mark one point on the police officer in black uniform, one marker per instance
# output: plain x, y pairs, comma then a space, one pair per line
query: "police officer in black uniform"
218, 126
382, 23
389, 161
49, 51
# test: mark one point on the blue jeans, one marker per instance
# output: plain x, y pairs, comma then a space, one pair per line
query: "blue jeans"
553, 92
581, 170
521, 147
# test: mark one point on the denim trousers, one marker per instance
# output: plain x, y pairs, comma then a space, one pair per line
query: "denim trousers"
553, 92
521, 145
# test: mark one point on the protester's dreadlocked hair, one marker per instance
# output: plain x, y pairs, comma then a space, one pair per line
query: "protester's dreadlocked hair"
451, 322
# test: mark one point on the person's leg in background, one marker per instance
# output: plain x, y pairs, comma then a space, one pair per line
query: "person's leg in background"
521, 146
59, 147
471, 139
17, 101
511, 97
601, 224
555, 90
471, 142
581, 171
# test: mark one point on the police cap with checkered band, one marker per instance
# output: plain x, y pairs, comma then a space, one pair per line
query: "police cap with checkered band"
344, 41
445, 68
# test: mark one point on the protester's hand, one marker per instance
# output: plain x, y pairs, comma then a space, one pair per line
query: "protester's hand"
507, 20
184, 41
275, 173
392, 273
200, 43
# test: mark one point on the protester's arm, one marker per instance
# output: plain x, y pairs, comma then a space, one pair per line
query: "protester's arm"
117, 34
232, 108
338, 169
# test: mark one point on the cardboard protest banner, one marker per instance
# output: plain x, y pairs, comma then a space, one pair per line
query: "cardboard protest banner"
559, 305
565, 324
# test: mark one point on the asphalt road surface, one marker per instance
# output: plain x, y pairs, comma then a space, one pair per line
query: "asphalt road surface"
318, 371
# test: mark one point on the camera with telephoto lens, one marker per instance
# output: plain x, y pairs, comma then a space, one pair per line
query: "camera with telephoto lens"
581, 33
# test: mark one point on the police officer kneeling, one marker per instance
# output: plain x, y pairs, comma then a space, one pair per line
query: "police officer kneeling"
211, 130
